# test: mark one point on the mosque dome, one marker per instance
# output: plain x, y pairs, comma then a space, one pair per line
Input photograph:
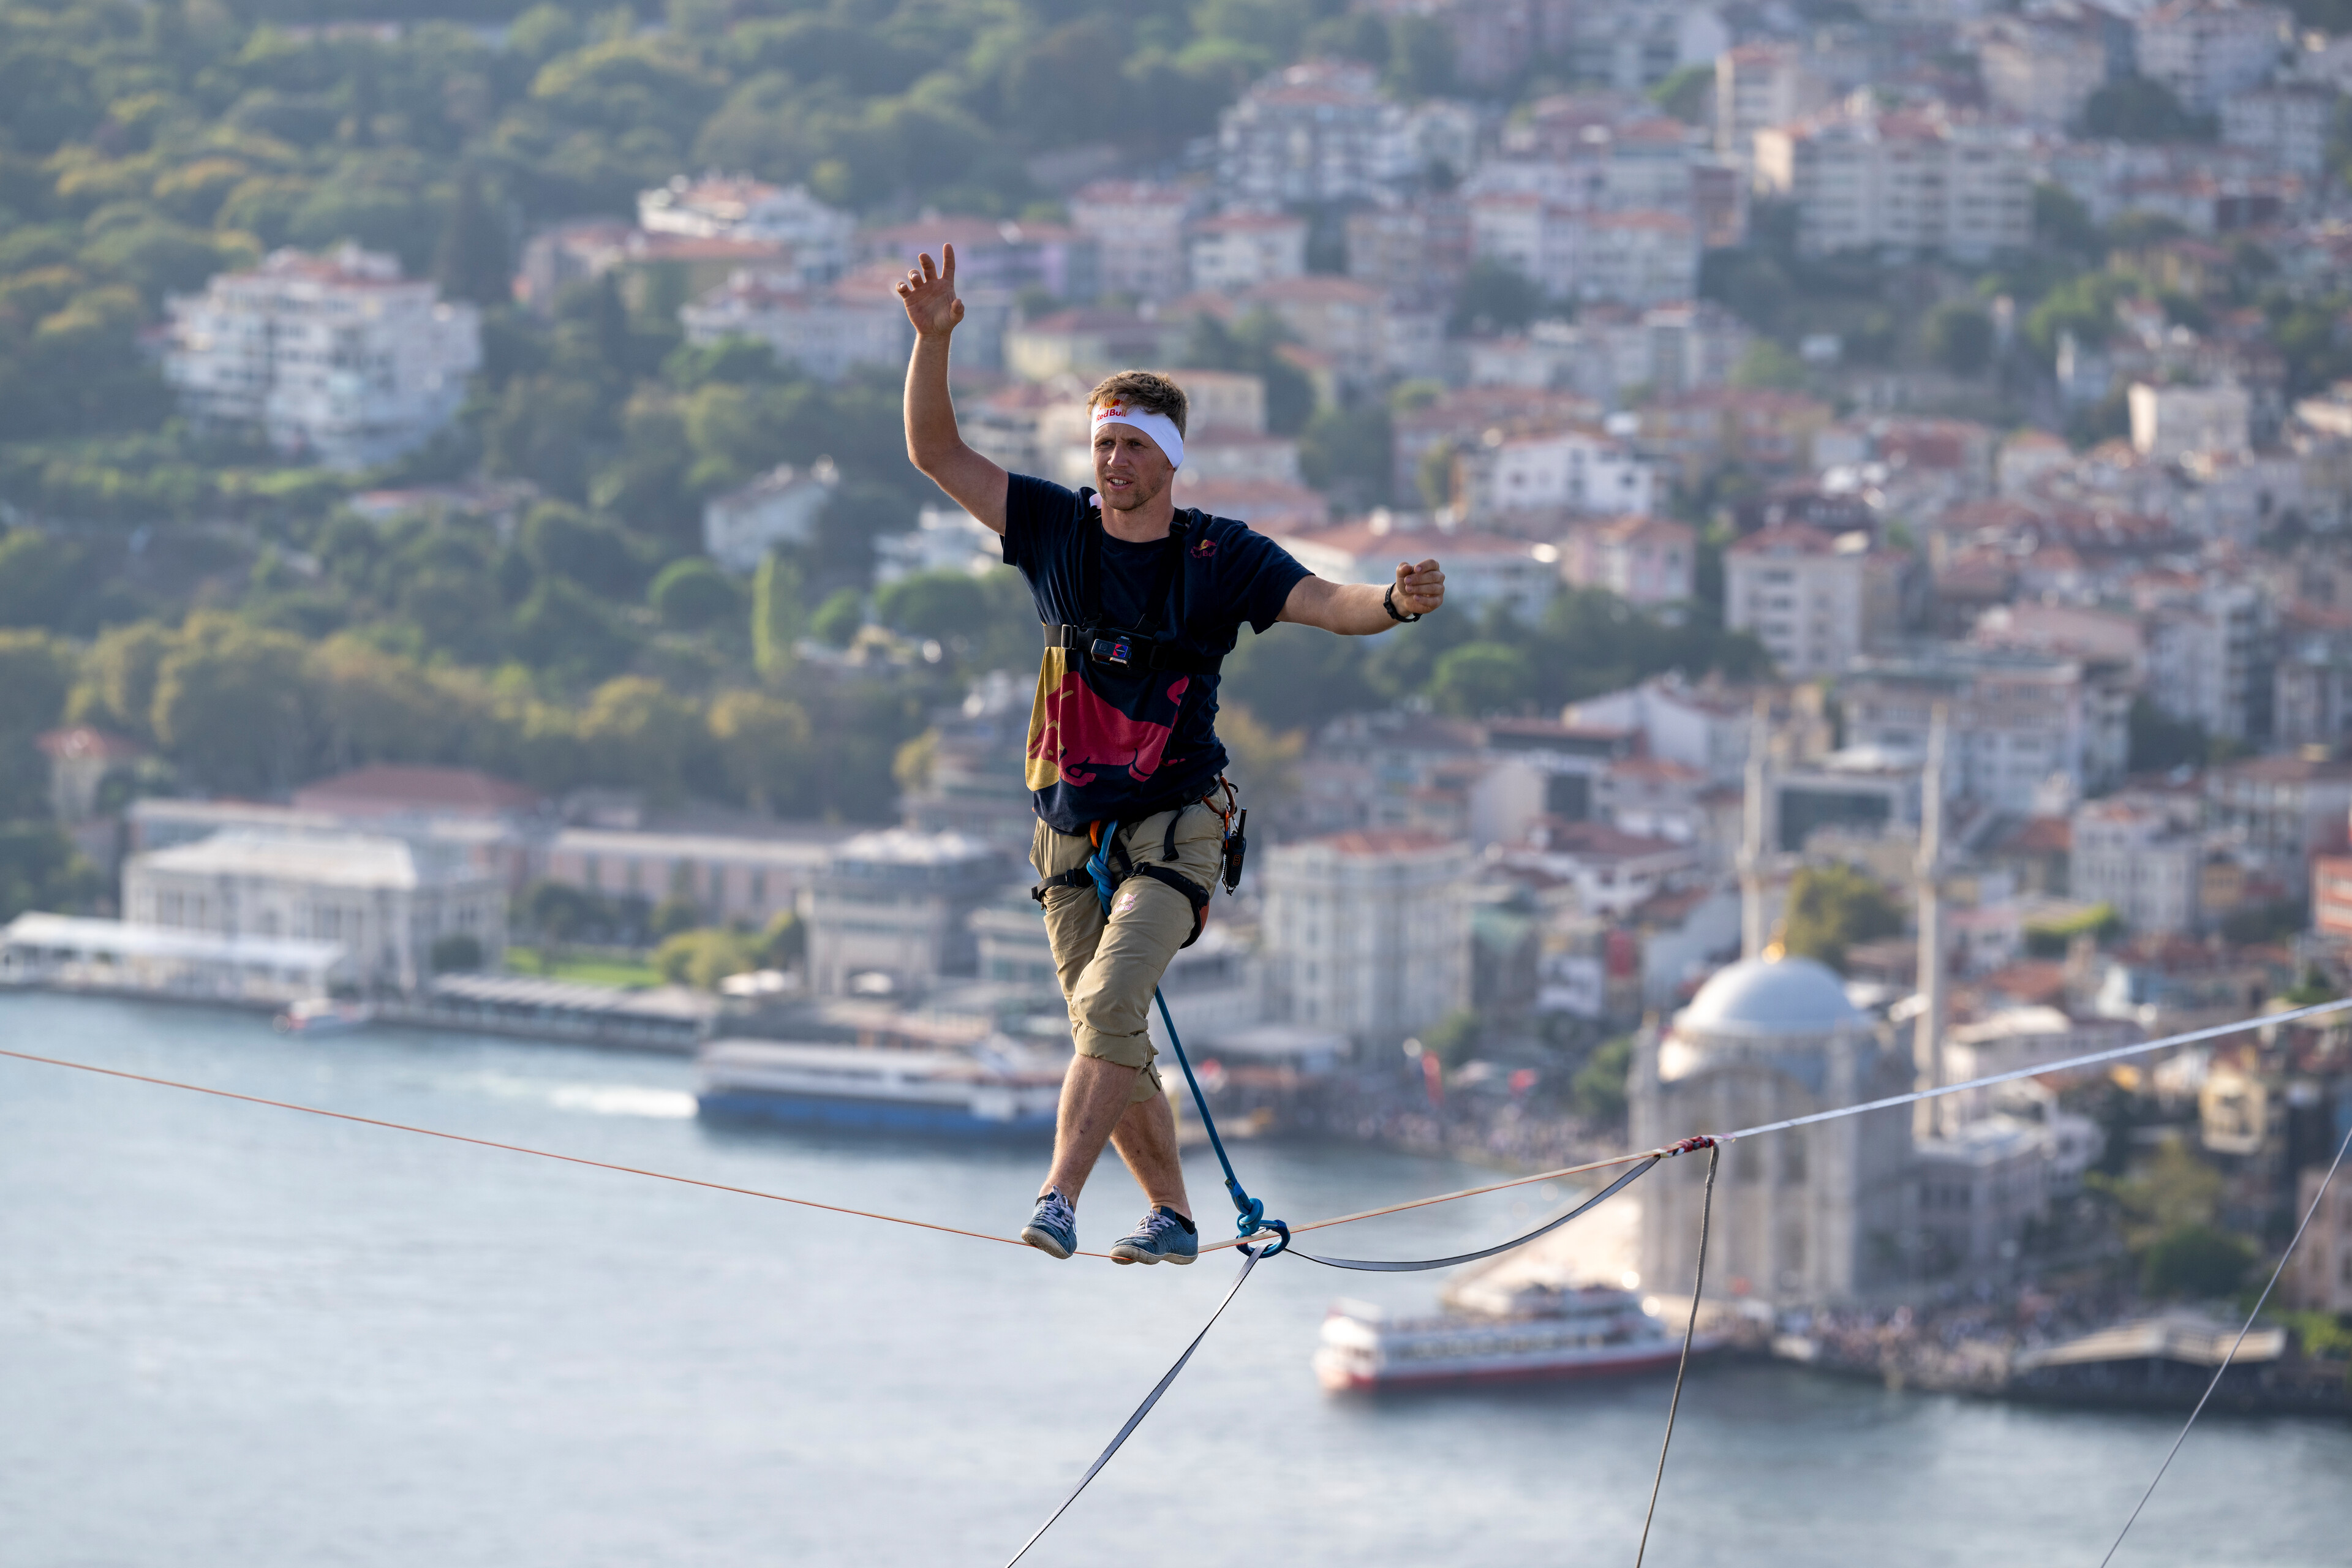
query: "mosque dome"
1767, 998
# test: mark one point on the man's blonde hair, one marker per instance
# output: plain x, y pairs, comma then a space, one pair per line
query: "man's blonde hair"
1148, 390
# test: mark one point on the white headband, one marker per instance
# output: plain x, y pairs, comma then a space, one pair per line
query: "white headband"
1159, 426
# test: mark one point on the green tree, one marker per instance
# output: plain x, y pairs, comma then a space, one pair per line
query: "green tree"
703, 958
41, 870
762, 745
840, 618
1599, 1086
2135, 109
232, 708
637, 733
692, 595
1959, 339
1453, 1039
1480, 679
1347, 453
1688, 94
948, 605
2197, 1261
776, 614
563, 630
785, 942
558, 914
471, 261
1830, 908
456, 953
1495, 296
1767, 364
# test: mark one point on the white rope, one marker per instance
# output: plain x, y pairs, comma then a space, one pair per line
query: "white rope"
2117, 1054
2317, 1199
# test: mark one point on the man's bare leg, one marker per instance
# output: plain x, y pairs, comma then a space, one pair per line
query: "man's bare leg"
1145, 1140
1094, 1100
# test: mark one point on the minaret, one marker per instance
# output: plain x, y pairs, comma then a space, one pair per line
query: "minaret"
1753, 932
1927, 1039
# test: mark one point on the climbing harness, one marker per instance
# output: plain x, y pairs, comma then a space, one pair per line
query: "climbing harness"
1104, 870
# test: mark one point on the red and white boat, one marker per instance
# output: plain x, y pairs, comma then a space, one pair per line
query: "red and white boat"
1499, 1334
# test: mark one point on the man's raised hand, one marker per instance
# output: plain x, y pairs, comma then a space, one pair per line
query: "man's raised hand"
929, 295
1419, 589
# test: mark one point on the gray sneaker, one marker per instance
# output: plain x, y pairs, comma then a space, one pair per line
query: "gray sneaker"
1054, 1229
1164, 1236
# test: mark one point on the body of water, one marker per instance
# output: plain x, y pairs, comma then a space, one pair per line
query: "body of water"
232, 1337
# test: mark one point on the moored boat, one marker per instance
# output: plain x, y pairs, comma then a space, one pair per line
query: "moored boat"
999, 1090
1593, 1330
323, 1016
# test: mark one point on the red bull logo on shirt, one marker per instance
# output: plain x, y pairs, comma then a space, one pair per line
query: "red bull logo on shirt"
1075, 735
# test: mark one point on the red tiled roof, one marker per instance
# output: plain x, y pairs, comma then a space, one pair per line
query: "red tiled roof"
395, 787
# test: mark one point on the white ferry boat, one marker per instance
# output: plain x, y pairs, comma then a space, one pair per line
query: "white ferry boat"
1523, 1333
1000, 1088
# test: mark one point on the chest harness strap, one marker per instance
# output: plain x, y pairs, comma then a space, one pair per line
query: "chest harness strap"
1127, 647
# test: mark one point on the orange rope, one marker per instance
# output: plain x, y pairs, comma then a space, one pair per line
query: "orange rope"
517, 1149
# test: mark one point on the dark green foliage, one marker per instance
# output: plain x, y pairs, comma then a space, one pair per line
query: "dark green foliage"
1453, 1039
471, 262
1250, 344
948, 605
1347, 453
456, 953
838, 620
1600, 1084
40, 869
1496, 297
1959, 339
693, 594
1688, 94
2161, 743
2135, 109
1830, 908
2195, 1261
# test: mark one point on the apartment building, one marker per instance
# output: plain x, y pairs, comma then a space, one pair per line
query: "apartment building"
1909, 181
1138, 228
1647, 560
827, 331
781, 507
1481, 570
1757, 85
2141, 854
1561, 471
335, 357
1816, 601
1242, 250
1317, 131
2291, 122
2169, 423
723, 206
2042, 73
1368, 932
2021, 721
2207, 51
2282, 811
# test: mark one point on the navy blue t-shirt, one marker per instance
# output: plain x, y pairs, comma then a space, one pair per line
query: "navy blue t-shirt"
1112, 742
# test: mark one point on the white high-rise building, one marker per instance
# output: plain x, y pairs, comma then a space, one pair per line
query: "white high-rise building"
827, 331
1315, 133
1369, 932
1757, 85
1907, 181
2139, 854
335, 356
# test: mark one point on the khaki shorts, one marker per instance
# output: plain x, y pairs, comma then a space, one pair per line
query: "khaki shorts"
1110, 968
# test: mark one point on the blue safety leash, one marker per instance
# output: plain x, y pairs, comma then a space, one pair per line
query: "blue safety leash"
1251, 1211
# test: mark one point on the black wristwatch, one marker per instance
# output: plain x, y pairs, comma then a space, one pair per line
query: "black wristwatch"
1388, 603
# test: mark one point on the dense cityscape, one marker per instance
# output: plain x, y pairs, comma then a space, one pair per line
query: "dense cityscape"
1892, 464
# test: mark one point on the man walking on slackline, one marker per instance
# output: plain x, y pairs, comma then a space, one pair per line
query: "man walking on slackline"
1139, 602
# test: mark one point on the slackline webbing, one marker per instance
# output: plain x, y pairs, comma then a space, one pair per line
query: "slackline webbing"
1250, 1255
1690, 1332
2317, 1199
1380, 1266
517, 1149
